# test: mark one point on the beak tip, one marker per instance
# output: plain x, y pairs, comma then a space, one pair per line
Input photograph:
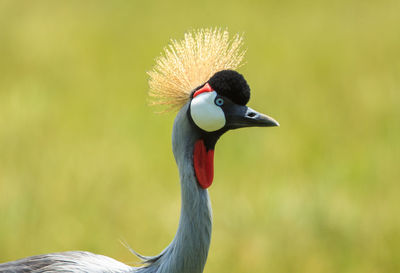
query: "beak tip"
273, 122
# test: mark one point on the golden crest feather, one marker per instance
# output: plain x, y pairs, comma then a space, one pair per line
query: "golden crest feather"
186, 64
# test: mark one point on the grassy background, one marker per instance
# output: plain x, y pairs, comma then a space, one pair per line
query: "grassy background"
85, 162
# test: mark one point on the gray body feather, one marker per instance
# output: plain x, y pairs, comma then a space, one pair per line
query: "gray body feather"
187, 253
71, 261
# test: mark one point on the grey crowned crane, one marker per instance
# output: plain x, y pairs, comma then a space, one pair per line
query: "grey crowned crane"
197, 76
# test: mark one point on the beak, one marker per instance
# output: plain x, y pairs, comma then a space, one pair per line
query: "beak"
239, 116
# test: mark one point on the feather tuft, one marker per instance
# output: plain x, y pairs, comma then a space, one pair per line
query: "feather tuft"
189, 63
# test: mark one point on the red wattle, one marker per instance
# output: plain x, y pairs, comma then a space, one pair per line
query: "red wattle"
203, 162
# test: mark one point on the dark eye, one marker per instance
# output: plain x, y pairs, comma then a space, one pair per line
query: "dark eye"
219, 101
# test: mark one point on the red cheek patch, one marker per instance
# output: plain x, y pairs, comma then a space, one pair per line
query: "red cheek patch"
203, 162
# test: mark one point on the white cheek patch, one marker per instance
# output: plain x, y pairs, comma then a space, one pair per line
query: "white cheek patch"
205, 113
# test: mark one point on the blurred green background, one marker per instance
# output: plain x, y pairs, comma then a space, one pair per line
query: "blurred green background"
85, 162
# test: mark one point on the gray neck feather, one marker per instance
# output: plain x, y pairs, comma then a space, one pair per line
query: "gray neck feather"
189, 249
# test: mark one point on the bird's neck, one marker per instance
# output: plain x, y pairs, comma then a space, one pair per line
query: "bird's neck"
189, 249
192, 240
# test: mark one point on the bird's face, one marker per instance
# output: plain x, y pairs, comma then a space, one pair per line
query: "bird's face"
212, 112
220, 105
216, 107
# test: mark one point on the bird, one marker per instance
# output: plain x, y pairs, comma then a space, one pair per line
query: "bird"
197, 77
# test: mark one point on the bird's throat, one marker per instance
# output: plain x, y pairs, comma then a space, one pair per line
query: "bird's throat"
203, 162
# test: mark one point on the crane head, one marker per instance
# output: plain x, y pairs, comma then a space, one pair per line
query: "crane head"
209, 58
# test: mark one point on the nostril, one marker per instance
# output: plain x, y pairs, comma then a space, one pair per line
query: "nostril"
251, 114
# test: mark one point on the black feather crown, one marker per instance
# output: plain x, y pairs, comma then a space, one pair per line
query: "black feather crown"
232, 85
